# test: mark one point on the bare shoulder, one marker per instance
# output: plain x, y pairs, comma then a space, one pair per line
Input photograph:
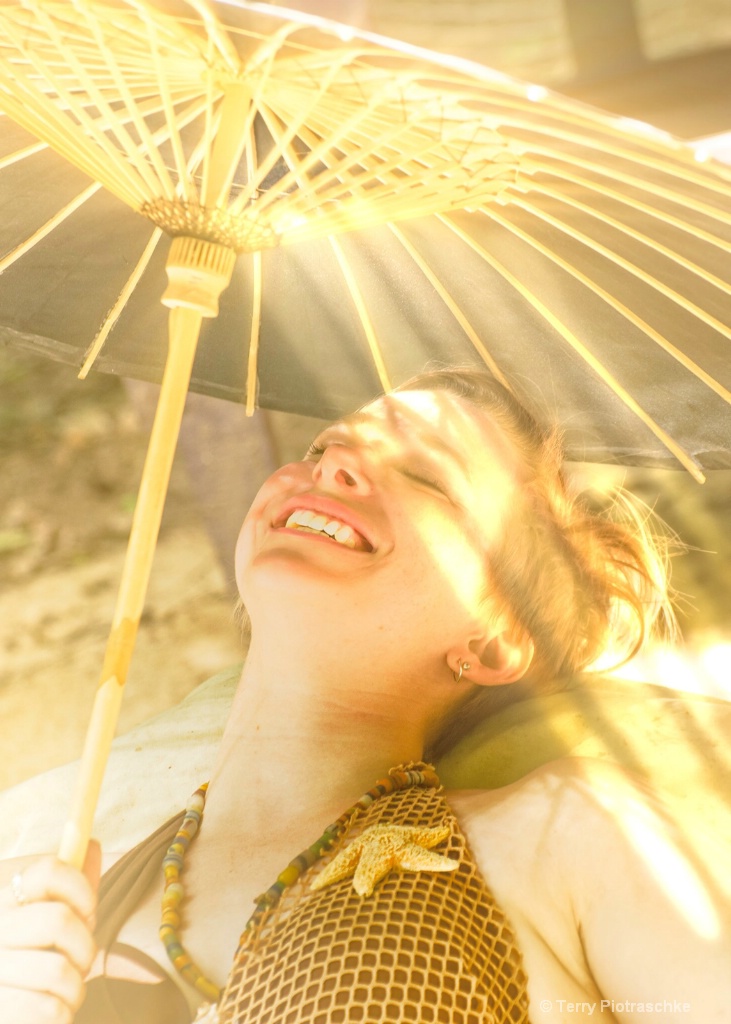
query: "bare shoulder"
586, 857
568, 780
537, 840
581, 821
544, 809
572, 805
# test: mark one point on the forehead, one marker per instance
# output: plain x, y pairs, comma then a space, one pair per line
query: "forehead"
440, 421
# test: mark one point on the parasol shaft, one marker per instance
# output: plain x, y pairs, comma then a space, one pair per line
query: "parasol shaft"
184, 330
198, 271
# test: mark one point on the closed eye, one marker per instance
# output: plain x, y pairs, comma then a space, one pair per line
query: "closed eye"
315, 450
424, 478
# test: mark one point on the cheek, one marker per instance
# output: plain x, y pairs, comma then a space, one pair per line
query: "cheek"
455, 559
284, 481
243, 553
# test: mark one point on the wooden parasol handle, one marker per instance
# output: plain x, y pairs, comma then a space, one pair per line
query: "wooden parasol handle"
198, 272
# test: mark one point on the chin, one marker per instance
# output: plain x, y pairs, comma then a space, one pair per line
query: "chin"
294, 582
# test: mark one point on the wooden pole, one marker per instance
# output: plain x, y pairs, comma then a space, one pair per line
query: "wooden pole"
198, 272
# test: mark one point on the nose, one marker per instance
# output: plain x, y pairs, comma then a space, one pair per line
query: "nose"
342, 468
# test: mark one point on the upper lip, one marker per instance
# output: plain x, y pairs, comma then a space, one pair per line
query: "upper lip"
328, 507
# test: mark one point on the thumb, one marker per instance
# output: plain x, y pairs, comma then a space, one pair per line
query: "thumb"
93, 864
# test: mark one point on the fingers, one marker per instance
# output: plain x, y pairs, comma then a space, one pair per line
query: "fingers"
52, 925
46, 941
50, 879
23, 1007
47, 975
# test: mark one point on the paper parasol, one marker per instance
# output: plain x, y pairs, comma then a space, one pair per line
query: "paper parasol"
455, 208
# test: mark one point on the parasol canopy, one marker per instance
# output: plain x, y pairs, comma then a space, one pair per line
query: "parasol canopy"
408, 206
371, 206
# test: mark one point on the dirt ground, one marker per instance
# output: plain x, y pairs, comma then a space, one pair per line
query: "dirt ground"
72, 457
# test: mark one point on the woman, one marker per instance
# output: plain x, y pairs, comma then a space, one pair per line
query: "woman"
423, 553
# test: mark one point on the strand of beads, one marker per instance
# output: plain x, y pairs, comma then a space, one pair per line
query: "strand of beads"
397, 779
174, 895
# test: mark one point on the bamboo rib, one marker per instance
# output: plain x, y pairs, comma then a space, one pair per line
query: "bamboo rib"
715, 213
133, 152
422, 150
329, 141
513, 96
48, 227
219, 36
417, 141
198, 153
589, 358
635, 204
189, 190
118, 308
122, 89
686, 171
631, 268
22, 154
257, 285
254, 334
651, 243
344, 184
365, 320
178, 33
209, 122
277, 151
269, 48
78, 143
679, 164
53, 130
350, 216
482, 85
612, 301
451, 305
388, 203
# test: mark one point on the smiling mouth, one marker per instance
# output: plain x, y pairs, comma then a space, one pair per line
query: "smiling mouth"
306, 521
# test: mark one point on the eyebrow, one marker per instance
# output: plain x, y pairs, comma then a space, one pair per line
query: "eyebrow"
432, 441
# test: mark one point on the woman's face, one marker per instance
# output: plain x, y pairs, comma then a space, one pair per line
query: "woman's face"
379, 536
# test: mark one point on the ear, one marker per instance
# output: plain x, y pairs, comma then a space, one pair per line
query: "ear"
495, 661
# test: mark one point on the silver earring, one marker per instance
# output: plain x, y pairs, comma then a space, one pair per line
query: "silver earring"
464, 666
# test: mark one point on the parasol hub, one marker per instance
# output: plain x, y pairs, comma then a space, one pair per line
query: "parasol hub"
198, 272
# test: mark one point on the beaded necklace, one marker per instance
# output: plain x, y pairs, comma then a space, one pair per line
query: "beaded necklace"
174, 894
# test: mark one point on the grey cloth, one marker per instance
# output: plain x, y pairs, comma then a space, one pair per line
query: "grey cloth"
117, 1001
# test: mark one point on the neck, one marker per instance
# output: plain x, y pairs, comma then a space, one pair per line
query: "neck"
304, 746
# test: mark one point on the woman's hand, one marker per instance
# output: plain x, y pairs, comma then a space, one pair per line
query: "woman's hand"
46, 941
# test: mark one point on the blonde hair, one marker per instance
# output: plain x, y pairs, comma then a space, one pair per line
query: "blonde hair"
578, 577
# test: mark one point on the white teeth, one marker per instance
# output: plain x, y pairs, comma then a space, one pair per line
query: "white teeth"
345, 536
301, 517
316, 523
